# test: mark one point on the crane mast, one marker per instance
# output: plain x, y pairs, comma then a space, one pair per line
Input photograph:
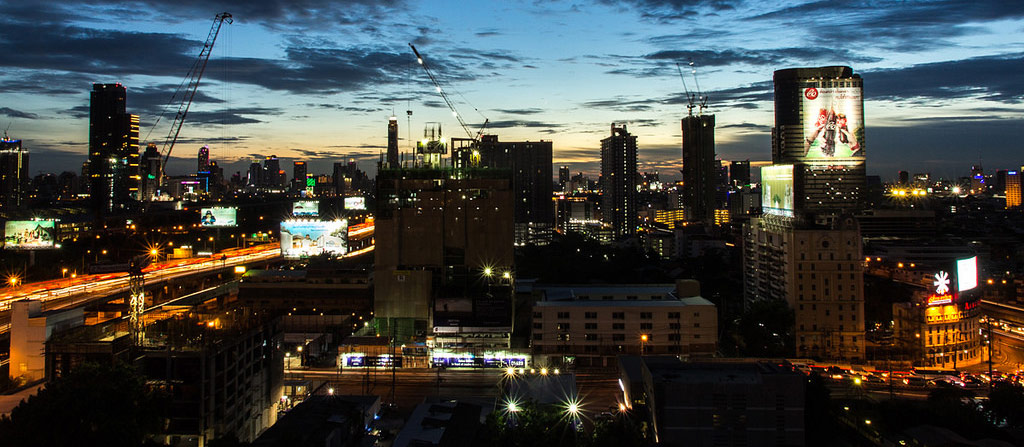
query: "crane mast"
444, 96
195, 74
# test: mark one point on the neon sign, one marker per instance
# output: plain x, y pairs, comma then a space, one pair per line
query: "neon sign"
941, 283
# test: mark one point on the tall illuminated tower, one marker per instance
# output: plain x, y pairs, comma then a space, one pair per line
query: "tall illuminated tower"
699, 171
113, 150
1013, 198
618, 182
204, 159
14, 174
393, 141
819, 128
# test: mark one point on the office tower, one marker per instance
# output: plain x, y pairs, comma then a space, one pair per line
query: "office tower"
204, 159
150, 169
298, 176
113, 150
392, 142
699, 174
444, 244
739, 173
273, 176
618, 182
14, 180
818, 271
341, 182
1013, 199
819, 128
978, 180
529, 162
563, 178
84, 177
255, 179
904, 178
999, 186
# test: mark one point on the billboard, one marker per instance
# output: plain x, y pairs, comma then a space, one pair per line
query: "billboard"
30, 235
966, 274
833, 123
304, 238
777, 190
307, 208
218, 217
355, 203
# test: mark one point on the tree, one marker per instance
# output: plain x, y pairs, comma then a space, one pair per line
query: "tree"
766, 329
93, 405
1005, 403
622, 431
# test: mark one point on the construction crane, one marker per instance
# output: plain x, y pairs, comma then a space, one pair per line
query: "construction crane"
689, 96
703, 99
190, 84
451, 106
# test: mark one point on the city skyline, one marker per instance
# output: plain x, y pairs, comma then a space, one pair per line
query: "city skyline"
284, 81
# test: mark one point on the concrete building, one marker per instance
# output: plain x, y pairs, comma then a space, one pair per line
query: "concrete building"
563, 178
334, 291
30, 328
819, 128
1013, 190
14, 175
818, 270
392, 155
149, 170
113, 150
530, 165
699, 167
444, 254
591, 324
722, 403
618, 182
739, 172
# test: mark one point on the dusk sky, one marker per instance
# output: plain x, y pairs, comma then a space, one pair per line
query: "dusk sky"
316, 80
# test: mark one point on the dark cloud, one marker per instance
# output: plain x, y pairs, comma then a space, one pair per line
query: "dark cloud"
230, 116
11, 113
505, 124
620, 105
488, 33
993, 78
346, 108
531, 111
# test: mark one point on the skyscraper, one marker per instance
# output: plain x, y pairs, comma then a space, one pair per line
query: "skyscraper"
563, 178
150, 170
618, 182
819, 128
739, 173
113, 150
204, 159
392, 142
14, 180
530, 165
298, 176
699, 174
273, 176
1013, 190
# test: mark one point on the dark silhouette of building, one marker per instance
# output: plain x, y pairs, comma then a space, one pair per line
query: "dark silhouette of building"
530, 165
150, 172
204, 159
113, 150
393, 142
14, 179
618, 182
699, 174
739, 173
273, 176
298, 176
819, 128
904, 178
563, 178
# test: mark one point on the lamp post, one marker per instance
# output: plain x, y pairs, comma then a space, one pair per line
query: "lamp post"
643, 342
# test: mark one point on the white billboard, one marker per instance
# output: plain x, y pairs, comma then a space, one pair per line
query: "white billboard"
306, 208
218, 217
777, 190
303, 238
833, 123
355, 203
966, 274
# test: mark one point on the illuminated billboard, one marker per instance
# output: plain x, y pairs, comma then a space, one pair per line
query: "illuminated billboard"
833, 123
966, 274
355, 203
303, 238
777, 190
218, 217
306, 208
30, 235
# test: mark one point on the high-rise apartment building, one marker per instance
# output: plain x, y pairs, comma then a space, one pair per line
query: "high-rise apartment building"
818, 271
393, 142
14, 175
1013, 199
273, 176
298, 176
113, 150
150, 172
530, 165
563, 178
739, 173
819, 128
444, 254
204, 159
618, 182
699, 174
255, 178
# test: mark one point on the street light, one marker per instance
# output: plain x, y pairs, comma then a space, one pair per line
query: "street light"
643, 341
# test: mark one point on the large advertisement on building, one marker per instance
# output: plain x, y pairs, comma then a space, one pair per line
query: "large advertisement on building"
306, 208
966, 274
777, 190
355, 203
304, 238
30, 235
218, 217
833, 123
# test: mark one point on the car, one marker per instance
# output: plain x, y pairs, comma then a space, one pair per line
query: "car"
871, 378
915, 381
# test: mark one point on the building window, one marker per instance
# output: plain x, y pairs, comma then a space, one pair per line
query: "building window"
590, 337
646, 326
538, 315
538, 326
646, 315
619, 326
618, 337
590, 348
590, 315
631, 297
538, 336
563, 315
590, 326
696, 324
696, 335
563, 326
673, 325
673, 315
618, 315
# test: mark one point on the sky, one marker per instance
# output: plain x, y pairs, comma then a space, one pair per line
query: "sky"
316, 80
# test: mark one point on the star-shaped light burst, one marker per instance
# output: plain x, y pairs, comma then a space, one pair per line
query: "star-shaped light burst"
942, 283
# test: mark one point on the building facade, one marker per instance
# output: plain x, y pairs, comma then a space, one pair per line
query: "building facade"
1013, 191
14, 175
530, 165
113, 150
618, 182
819, 128
699, 173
